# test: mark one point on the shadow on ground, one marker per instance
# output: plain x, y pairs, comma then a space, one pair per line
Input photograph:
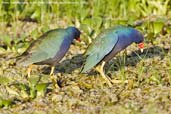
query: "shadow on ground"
151, 52
69, 65
136, 56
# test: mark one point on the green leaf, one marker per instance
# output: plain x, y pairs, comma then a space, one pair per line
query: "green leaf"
6, 40
32, 92
4, 80
5, 102
33, 80
83, 14
86, 28
157, 26
97, 22
122, 22
37, 14
168, 29
41, 89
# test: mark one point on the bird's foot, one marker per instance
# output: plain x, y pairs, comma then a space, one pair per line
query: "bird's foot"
107, 80
56, 86
54, 81
29, 70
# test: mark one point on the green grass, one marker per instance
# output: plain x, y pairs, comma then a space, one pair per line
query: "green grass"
148, 74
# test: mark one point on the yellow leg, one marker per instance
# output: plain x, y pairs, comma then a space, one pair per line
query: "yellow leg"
100, 70
29, 70
107, 79
53, 77
120, 81
52, 70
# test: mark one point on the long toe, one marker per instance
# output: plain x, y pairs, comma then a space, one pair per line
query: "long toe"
107, 81
56, 86
53, 79
106, 78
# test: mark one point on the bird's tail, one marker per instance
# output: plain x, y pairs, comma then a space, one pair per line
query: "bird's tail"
17, 59
82, 67
13, 57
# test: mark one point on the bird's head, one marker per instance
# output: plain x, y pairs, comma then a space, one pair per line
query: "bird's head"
76, 33
138, 38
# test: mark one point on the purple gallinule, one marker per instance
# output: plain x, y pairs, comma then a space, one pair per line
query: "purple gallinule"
107, 44
49, 48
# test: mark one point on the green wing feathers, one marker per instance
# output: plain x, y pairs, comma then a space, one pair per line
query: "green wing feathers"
102, 45
43, 48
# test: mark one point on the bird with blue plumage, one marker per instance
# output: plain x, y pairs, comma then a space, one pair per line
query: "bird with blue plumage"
107, 44
49, 48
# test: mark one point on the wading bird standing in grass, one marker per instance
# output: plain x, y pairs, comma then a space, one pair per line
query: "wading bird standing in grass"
49, 49
107, 44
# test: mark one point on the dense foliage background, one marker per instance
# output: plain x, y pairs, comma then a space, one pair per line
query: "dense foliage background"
89, 15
